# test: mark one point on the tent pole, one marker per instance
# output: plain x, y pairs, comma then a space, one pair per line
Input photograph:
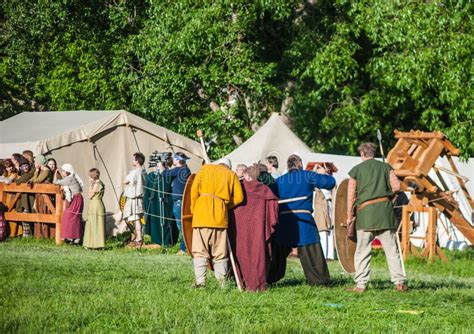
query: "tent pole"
96, 149
134, 137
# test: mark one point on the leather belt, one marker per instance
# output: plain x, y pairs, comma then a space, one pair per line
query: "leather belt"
211, 195
294, 211
373, 201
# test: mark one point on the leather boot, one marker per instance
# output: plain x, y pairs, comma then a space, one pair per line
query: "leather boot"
401, 287
200, 269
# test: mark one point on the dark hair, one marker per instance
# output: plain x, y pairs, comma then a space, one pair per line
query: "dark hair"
52, 159
2, 170
273, 160
368, 149
94, 173
17, 157
294, 162
139, 157
24, 161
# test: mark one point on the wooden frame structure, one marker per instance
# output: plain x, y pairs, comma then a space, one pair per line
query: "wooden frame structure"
412, 158
10, 194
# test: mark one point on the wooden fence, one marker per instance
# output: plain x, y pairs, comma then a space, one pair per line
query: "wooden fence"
11, 193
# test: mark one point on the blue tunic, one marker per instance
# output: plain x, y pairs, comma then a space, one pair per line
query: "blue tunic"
178, 176
299, 229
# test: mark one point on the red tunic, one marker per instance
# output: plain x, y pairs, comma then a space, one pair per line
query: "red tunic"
250, 227
72, 219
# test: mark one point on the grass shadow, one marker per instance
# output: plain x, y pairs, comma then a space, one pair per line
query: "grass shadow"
288, 283
379, 284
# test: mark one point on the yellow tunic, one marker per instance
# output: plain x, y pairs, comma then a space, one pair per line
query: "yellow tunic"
215, 190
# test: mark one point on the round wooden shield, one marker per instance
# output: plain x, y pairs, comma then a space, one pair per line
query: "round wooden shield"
187, 216
344, 246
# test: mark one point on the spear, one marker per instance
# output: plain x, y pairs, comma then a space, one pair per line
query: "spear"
379, 137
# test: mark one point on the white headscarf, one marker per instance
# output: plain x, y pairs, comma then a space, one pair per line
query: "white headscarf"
70, 169
225, 161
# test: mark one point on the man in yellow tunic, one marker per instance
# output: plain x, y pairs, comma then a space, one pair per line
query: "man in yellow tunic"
215, 190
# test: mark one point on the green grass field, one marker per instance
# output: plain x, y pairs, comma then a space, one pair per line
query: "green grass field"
46, 288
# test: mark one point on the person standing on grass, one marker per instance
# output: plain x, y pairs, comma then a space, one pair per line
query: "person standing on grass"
296, 227
42, 174
26, 201
178, 175
250, 228
215, 190
372, 184
134, 191
94, 231
71, 222
160, 223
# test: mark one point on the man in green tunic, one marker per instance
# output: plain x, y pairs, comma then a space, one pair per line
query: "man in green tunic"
371, 186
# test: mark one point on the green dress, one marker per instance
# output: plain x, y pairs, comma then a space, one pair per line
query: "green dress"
94, 232
373, 181
158, 207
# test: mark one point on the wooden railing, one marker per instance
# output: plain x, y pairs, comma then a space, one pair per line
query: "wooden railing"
10, 194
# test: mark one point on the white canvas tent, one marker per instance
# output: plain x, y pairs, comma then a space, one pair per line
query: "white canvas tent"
86, 139
273, 138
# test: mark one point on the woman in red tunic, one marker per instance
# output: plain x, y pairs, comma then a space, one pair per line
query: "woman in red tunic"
72, 218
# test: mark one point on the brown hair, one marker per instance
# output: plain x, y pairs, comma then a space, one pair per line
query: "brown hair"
253, 172
9, 163
367, 149
139, 157
28, 155
294, 162
94, 173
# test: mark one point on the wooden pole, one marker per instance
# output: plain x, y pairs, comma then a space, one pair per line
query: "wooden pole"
432, 216
58, 215
405, 232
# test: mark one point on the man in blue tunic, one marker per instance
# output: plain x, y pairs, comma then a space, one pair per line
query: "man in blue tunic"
296, 227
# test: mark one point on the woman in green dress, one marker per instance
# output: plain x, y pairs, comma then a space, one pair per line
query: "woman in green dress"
94, 233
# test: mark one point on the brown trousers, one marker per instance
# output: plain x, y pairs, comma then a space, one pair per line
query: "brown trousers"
312, 260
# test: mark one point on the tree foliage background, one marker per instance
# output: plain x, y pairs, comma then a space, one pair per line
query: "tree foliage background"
339, 69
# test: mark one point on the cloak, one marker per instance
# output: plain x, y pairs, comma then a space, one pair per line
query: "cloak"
251, 225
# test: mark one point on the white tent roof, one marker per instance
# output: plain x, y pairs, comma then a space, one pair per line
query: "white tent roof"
273, 138
42, 132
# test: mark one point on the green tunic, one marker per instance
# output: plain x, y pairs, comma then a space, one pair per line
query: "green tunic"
373, 181
94, 232
158, 207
